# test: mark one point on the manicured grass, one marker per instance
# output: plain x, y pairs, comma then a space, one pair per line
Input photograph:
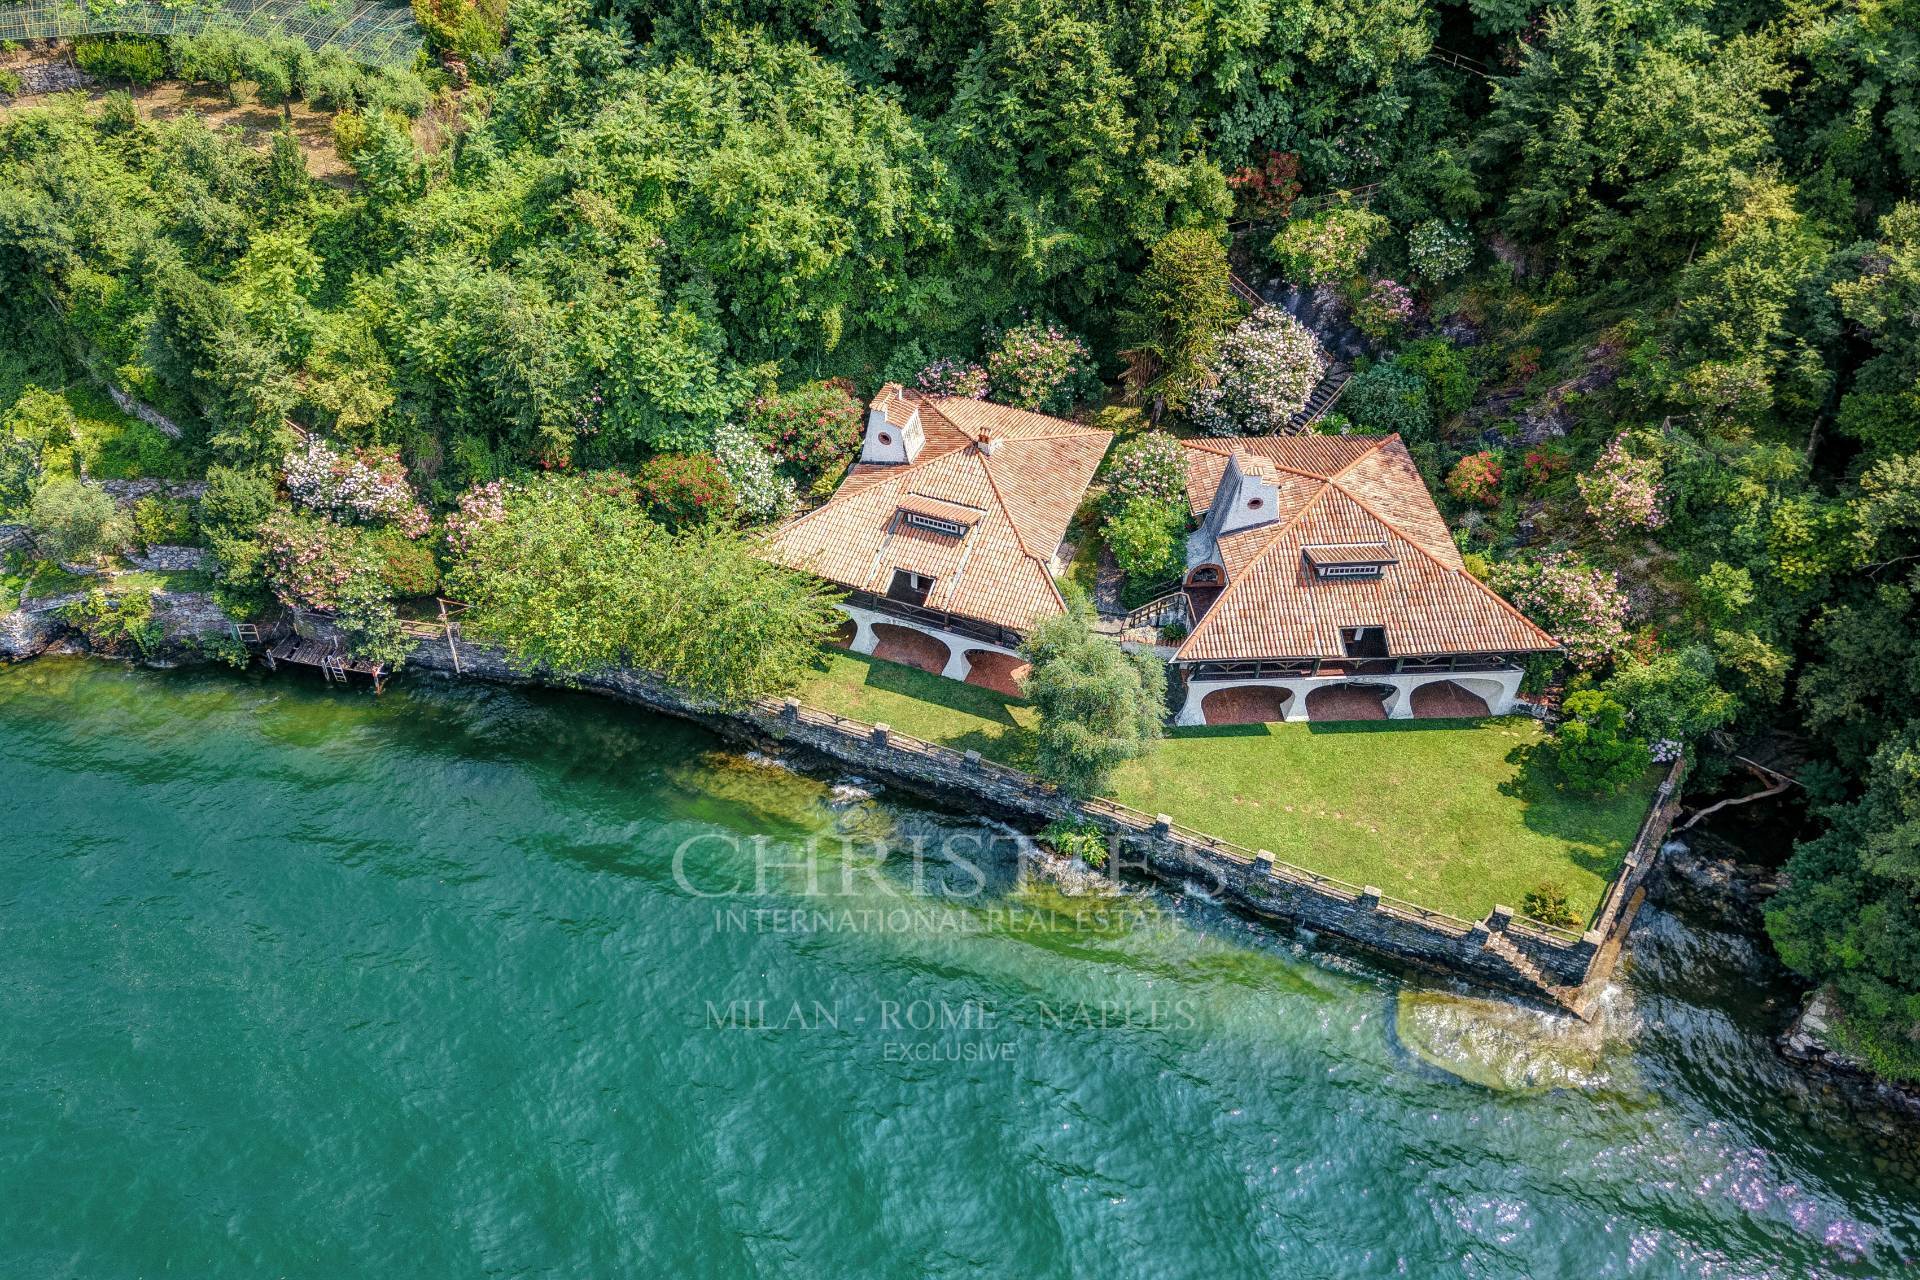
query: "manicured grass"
1443, 813
958, 715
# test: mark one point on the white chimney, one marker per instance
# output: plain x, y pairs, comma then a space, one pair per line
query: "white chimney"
989, 443
894, 436
1249, 495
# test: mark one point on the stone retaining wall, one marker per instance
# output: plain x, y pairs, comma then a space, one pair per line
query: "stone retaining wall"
1560, 964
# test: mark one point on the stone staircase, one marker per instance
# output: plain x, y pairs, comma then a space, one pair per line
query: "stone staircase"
1331, 384
1498, 944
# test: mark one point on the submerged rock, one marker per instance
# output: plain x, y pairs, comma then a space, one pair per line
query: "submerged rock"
1510, 1047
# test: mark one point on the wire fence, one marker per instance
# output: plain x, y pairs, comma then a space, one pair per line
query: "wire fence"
374, 32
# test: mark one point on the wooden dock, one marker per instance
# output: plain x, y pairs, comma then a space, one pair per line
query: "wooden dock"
331, 662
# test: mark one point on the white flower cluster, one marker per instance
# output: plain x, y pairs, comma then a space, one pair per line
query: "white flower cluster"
1439, 250
1266, 369
761, 493
363, 487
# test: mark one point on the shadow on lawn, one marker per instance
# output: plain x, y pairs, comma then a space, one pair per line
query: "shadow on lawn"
1598, 829
954, 695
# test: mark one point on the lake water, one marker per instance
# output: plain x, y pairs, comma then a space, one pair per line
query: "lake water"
470, 981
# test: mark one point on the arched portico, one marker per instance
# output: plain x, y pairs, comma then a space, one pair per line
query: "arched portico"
1392, 696
931, 649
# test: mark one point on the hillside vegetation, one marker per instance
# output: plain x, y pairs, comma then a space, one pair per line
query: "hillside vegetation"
1639, 284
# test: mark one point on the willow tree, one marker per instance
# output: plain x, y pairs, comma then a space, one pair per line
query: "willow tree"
572, 577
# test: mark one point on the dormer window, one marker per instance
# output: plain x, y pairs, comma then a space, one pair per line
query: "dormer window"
952, 528
1364, 642
1334, 562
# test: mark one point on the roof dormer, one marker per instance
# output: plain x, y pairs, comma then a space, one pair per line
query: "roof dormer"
1333, 561
894, 435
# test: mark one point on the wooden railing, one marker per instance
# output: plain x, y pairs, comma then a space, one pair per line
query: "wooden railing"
1245, 292
1161, 610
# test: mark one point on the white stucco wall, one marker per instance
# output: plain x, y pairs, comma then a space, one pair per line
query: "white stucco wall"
959, 664
1496, 688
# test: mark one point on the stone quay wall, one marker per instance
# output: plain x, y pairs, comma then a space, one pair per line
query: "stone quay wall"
1504, 950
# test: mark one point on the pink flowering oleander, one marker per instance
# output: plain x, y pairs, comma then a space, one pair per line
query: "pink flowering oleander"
365, 486
1033, 363
1622, 492
478, 507
1586, 608
1264, 373
947, 377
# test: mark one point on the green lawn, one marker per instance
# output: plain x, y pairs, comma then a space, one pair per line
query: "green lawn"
1439, 812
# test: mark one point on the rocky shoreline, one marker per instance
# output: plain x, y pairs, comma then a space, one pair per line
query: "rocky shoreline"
1718, 886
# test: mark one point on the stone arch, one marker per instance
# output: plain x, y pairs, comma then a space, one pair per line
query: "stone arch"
910, 647
1000, 672
1348, 702
1206, 575
1445, 699
1246, 704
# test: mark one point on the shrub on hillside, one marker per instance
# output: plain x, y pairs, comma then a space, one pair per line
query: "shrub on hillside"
1438, 250
74, 522
1450, 379
1476, 478
1041, 367
1622, 492
681, 489
1265, 371
133, 61
363, 486
1384, 309
1390, 397
1583, 607
1327, 247
760, 493
813, 429
949, 377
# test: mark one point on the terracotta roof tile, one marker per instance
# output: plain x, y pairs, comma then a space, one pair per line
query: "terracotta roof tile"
1343, 492
1024, 496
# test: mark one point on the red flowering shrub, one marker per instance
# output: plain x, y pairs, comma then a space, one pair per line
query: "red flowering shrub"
1476, 478
1269, 188
1542, 465
812, 429
682, 489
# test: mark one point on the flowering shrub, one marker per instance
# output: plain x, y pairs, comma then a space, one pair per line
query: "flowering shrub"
1583, 607
760, 493
1542, 465
1384, 307
1623, 492
1041, 367
1266, 369
1438, 250
364, 486
949, 377
1326, 248
1666, 750
812, 429
1269, 188
1476, 478
1151, 466
474, 510
1148, 541
680, 489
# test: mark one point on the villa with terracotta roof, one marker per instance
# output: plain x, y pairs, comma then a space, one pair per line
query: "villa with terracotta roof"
1323, 584
946, 532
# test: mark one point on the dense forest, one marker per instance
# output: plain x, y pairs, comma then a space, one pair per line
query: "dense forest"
1638, 282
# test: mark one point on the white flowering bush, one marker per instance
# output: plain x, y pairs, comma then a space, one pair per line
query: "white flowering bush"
761, 493
1583, 607
1622, 492
366, 486
1151, 466
1438, 250
1263, 374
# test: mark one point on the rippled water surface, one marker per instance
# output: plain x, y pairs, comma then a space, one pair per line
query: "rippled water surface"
465, 981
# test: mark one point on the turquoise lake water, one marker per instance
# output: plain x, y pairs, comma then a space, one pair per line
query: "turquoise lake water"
465, 981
